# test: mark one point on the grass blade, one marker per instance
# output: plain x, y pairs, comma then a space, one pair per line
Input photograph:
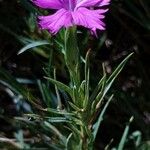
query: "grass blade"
124, 136
100, 118
32, 45
61, 86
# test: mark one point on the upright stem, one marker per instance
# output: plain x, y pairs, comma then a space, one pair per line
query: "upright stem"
72, 56
72, 59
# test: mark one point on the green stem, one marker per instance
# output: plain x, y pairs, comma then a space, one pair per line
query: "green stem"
72, 60
72, 57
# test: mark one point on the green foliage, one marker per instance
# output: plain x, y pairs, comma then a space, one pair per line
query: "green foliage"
32, 45
124, 136
68, 115
81, 121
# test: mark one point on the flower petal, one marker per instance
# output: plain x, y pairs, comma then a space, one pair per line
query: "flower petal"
53, 23
52, 4
91, 19
92, 3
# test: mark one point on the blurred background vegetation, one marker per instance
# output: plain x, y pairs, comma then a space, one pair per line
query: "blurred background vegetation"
128, 30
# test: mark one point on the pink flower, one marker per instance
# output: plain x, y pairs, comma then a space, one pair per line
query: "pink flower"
72, 12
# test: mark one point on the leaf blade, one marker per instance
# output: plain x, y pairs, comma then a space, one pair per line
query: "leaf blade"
32, 45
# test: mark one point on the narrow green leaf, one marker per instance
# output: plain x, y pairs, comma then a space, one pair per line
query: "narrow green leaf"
82, 90
124, 136
49, 119
9, 81
109, 144
96, 90
62, 112
119, 68
74, 130
137, 137
67, 142
58, 119
96, 104
75, 107
61, 86
87, 78
35, 116
33, 45
100, 118
59, 104
112, 78
55, 131
42, 90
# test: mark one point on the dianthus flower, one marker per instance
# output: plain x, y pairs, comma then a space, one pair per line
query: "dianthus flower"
73, 12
